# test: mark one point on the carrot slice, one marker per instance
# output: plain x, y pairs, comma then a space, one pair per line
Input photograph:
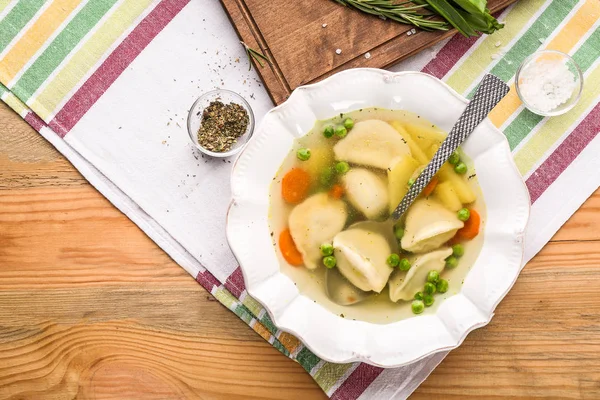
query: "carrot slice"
471, 228
430, 186
294, 185
337, 191
455, 240
289, 250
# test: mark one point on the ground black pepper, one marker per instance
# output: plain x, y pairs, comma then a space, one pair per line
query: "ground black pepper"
222, 125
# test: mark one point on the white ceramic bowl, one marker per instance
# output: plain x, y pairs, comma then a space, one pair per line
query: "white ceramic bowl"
341, 340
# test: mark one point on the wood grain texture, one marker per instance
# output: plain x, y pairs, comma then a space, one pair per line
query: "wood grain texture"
92, 308
291, 33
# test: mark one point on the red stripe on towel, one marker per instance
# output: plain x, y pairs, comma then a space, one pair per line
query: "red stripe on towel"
358, 381
235, 283
207, 280
114, 65
36, 122
564, 155
449, 55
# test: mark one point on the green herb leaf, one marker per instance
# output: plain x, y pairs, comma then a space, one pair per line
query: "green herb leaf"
468, 16
472, 6
407, 12
452, 15
256, 55
479, 18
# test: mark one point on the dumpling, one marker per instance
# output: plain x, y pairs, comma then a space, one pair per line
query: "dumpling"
366, 191
341, 291
361, 258
404, 286
316, 221
428, 226
383, 228
373, 143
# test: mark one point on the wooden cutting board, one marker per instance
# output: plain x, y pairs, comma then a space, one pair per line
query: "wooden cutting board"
302, 51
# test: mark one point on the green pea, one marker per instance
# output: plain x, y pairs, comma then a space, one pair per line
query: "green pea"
340, 131
404, 264
411, 182
419, 296
327, 176
427, 300
429, 288
464, 214
458, 250
328, 131
329, 261
342, 167
417, 306
393, 260
451, 262
348, 123
454, 158
460, 168
442, 286
303, 154
433, 276
326, 249
399, 232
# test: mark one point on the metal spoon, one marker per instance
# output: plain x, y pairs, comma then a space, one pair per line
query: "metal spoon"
489, 93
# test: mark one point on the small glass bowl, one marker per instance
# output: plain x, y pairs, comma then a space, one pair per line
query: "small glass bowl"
195, 118
569, 63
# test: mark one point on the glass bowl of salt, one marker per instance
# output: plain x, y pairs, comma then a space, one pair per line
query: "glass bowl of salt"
549, 83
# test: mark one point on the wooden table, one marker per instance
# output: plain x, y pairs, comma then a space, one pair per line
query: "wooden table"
92, 308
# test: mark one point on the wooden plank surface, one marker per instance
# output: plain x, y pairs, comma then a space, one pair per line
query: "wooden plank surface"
92, 308
302, 51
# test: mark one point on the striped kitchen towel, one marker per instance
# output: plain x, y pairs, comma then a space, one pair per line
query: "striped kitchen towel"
109, 82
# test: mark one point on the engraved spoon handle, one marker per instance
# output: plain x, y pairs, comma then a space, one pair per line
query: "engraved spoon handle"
489, 93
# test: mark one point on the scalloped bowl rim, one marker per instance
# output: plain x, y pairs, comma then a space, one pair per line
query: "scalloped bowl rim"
352, 349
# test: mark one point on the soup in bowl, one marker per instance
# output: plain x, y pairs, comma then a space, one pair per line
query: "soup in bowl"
308, 223
337, 185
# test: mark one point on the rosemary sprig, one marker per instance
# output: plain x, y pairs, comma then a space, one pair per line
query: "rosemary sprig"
405, 12
469, 17
256, 55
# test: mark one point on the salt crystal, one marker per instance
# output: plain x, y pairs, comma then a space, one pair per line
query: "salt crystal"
324, 25
338, 51
541, 40
495, 56
498, 44
367, 55
547, 84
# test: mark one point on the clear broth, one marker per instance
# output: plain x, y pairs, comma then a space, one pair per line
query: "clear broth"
378, 309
